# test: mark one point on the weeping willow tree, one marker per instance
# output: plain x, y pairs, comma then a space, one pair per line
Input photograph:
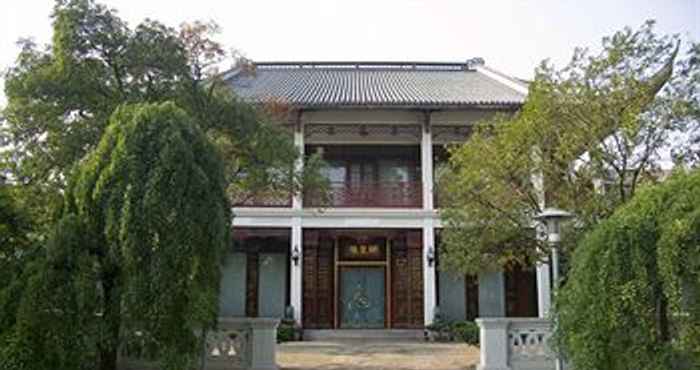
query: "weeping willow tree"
632, 300
145, 222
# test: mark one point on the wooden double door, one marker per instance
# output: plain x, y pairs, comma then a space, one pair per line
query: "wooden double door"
362, 279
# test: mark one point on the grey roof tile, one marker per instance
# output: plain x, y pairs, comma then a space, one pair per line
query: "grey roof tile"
372, 84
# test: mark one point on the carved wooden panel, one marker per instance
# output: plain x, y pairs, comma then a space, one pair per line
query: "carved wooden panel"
251, 294
318, 281
407, 281
325, 283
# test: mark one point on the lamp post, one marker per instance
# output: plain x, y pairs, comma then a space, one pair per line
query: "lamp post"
552, 219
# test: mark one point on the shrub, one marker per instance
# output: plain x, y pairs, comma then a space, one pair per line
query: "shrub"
286, 331
465, 331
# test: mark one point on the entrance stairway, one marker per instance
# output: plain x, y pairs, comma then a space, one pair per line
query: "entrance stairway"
364, 334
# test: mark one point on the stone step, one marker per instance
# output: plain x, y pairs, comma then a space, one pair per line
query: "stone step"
393, 334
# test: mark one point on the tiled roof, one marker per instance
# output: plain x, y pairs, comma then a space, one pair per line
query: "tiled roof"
329, 84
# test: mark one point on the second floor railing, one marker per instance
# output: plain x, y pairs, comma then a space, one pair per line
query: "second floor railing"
382, 194
268, 199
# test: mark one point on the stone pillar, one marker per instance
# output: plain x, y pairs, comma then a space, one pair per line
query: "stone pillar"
429, 296
426, 150
263, 344
493, 344
492, 295
295, 270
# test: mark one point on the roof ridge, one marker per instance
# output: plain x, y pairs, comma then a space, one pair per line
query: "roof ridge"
365, 65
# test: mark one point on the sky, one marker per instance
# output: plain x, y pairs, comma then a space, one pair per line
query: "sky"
512, 36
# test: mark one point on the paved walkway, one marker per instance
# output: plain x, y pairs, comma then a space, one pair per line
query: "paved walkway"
358, 354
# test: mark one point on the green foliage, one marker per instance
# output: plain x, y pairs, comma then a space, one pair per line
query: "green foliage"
286, 331
631, 300
466, 331
15, 225
60, 98
146, 218
146, 187
54, 321
587, 135
449, 330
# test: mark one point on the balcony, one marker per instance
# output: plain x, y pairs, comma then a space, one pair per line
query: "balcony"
386, 194
266, 199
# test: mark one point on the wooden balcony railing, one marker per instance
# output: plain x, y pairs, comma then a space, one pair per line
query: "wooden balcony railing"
375, 194
268, 199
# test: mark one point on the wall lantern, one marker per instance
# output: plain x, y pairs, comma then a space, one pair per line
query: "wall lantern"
296, 255
430, 255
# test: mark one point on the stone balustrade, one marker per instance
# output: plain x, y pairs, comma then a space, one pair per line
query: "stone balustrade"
238, 343
515, 344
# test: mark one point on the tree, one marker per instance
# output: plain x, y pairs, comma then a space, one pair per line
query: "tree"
145, 221
586, 137
631, 300
86, 265
61, 96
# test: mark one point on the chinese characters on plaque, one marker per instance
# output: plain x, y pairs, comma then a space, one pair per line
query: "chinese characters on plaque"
372, 251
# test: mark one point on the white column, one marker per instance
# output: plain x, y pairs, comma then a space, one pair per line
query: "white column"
544, 290
426, 150
297, 200
544, 285
429, 287
295, 272
429, 296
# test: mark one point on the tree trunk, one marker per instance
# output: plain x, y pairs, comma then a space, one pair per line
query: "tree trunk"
111, 321
662, 318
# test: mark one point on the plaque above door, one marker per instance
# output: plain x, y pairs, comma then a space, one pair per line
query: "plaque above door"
358, 249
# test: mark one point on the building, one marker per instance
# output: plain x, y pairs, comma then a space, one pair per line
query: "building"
369, 260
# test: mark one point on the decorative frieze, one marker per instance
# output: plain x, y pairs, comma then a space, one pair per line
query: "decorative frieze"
450, 134
321, 133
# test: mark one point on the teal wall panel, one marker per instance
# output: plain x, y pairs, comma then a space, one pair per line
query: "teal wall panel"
452, 296
272, 284
492, 296
232, 294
